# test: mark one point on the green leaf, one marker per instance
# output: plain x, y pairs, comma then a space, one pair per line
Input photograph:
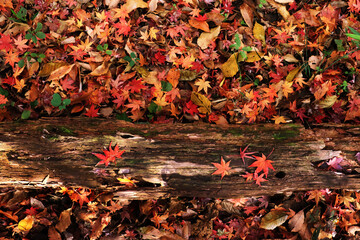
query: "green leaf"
41, 55
100, 48
132, 63
108, 52
4, 92
166, 86
21, 63
238, 42
354, 36
33, 54
106, 46
127, 58
123, 116
66, 102
28, 36
354, 31
25, 114
133, 55
154, 108
34, 104
247, 49
56, 100
41, 35
62, 107
38, 27
34, 39
243, 54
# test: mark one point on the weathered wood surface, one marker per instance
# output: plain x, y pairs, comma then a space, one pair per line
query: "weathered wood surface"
172, 160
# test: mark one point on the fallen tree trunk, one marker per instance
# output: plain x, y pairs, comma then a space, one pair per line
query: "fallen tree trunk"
173, 159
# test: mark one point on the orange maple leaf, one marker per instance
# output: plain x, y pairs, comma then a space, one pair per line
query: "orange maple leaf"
12, 58
262, 164
279, 119
222, 168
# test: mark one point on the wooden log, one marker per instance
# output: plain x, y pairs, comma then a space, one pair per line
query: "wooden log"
173, 159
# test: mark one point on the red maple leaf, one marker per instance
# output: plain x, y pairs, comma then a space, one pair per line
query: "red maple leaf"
222, 168
81, 196
259, 179
191, 108
5, 42
244, 155
262, 164
109, 155
92, 112
135, 86
123, 27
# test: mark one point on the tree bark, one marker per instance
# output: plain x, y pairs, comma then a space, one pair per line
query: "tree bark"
172, 160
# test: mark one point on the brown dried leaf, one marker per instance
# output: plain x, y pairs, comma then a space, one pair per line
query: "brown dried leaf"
51, 67
64, 220
53, 234
248, 14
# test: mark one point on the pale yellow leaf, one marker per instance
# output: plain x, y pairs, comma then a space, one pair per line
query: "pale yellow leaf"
206, 38
273, 219
328, 102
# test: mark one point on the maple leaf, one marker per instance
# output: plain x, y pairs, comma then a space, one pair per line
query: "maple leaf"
286, 88
191, 108
3, 99
248, 176
262, 164
203, 85
21, 43
109, 155
128, 182
92, 112
123, 27
279, 119
222, 168
12, 58
317, 195
81, 196
5, 42
244, 155
259, 179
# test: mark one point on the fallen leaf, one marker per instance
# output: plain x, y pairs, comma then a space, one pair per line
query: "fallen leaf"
64, 220
206, 38
273, 219
259, 33
230, 67
202, 101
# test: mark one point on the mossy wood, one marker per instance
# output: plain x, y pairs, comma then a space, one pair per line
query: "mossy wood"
173, 159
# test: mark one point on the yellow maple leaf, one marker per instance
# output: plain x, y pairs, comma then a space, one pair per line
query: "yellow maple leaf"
203, 85
286, 88
152, 32
279, 119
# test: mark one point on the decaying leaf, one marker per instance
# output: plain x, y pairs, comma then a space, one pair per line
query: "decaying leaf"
206, 38
259, 33
64, 220
202, 101
273, 219
230, 67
